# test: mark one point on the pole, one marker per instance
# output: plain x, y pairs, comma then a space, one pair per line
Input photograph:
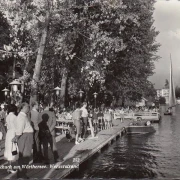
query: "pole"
95, 102
14, 66
38, 97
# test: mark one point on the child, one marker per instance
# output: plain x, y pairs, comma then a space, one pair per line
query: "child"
69, 133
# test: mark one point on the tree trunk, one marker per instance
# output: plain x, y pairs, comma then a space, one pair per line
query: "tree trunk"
63, 87
123, 101
14, 68
37, 70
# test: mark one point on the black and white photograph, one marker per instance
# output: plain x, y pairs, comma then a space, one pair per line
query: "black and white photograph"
90, 89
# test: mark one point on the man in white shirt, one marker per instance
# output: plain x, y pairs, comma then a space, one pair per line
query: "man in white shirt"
24, 138
84, 115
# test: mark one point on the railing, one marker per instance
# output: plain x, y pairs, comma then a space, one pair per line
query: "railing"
63, 124
125, 115
146, 114
103, 122
135, 115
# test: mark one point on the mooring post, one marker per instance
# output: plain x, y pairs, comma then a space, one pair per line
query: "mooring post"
92, 129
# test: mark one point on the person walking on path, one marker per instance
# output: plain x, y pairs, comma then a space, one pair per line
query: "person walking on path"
11, 129
24, 138
49, 137
37, 157
76, 116
84, 116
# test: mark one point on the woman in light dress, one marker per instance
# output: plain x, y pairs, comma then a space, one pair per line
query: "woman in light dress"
11, 129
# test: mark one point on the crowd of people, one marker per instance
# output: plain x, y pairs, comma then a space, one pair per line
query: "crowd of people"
26, 129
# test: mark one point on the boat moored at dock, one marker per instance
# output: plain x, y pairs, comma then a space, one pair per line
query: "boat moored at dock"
140, 127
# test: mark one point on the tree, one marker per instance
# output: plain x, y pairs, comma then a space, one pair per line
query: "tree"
80, 39
36, 76
162, 100
95, 46
128, 74
4, 36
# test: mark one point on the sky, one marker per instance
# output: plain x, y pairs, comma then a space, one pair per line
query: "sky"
167, 22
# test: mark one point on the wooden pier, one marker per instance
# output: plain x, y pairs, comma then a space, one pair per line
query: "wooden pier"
73, 155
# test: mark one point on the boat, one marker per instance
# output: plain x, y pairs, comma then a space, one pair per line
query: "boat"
140, 127
172, 97
168, 113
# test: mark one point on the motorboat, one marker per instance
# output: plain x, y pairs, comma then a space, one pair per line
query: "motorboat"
140, 127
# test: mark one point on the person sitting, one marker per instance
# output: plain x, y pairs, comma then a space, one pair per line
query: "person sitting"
69, 133
169, 110
148, 123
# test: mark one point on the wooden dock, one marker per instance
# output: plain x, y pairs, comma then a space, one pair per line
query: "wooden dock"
73, 155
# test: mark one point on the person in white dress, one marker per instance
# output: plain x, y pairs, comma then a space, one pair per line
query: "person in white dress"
122, 114
11, 130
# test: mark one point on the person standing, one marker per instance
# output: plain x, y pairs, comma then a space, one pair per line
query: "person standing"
2, 122
76, 116
84, 115
11, 129
48, 117
24, 138
35, 121
122, 114
95, 119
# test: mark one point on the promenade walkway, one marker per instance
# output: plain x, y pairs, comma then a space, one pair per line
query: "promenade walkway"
73, 154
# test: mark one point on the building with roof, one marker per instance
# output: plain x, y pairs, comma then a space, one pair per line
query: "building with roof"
163, 93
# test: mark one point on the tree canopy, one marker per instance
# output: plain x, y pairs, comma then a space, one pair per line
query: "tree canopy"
103, 46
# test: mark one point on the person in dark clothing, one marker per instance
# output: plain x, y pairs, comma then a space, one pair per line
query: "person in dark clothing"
47, 133
37, 156
2, 123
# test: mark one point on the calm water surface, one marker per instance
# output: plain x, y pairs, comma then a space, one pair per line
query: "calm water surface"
141, 156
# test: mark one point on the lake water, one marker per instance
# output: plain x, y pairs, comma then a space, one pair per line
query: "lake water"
140, 156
